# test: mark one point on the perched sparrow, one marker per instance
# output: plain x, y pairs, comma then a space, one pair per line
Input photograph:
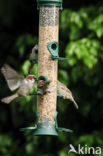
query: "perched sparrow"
16, 81
65, 92
33, 57
42, 86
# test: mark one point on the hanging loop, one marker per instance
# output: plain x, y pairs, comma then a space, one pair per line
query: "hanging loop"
53, 48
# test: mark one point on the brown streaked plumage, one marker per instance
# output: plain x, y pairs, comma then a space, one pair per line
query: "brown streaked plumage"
42, 86
65, 92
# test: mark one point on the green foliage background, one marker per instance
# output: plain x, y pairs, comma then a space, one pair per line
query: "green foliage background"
81, 41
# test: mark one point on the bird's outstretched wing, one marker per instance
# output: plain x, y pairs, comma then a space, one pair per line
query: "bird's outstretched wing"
12, 78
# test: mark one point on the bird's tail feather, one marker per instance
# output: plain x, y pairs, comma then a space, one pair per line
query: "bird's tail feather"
8, 99
75, 104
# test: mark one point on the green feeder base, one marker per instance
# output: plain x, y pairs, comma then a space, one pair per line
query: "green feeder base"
46, 128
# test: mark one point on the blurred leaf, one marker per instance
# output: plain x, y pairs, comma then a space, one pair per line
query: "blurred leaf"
63, 77
85, 50
24, 41
25, 67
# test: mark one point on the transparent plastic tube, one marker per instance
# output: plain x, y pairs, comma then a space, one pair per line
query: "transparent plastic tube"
48, 32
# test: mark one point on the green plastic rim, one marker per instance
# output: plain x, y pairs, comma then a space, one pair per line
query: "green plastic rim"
57, 3
43, 77
46, 128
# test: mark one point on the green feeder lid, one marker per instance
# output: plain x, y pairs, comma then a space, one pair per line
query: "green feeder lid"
49, 2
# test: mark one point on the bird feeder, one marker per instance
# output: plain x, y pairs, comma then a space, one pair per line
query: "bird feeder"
48, 67
48, 64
